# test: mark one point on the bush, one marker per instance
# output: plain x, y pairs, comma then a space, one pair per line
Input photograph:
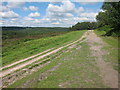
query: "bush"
109, 31
105, 28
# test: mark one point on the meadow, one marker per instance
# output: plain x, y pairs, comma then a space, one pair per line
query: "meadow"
71, 69
30, 41
72, 66
16, 35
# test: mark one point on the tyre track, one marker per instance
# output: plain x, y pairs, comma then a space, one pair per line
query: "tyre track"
17, 67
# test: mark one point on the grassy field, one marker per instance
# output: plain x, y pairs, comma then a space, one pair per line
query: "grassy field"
14, 52
75, 68
33, 32
71, 67
112, 48
11, 36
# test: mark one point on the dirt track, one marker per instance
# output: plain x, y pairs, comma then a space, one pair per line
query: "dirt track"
19, 66
22, 60
109, 75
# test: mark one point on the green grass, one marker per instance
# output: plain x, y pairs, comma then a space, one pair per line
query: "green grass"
11, 36
77, 70
112, 49
10, 33
27, 60
25, 49
47, 58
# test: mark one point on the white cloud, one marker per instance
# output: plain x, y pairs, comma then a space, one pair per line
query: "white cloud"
3, 8
14, 19
45, 19
80, 9
63, 14
66, 6
56, 23
1, 3
28, 19
2, 21
78, 19
65, 10
54, 8
102, 10
37, 21
67, 14
15, 4
36, 14
9, 14
89, 15
32, 8
59, 15
25, 8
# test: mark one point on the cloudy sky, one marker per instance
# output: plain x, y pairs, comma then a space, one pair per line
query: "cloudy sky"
47, 14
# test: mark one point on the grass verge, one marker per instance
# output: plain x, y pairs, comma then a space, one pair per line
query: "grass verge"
77, 70
112, 49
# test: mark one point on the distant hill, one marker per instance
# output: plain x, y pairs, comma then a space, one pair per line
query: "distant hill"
13, 28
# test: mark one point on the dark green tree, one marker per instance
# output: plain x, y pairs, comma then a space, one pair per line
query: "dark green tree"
84, 26
110, 16
102, 19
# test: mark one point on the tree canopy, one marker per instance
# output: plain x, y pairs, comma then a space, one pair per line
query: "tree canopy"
110, 17
108, 20
84, 26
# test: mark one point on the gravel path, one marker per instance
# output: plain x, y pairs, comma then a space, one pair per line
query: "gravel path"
109, 75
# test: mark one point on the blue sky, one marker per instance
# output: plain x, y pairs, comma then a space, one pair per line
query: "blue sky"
47, 14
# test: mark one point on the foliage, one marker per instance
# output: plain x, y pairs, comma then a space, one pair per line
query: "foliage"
111, 17
105, 28
102, 19
84, 26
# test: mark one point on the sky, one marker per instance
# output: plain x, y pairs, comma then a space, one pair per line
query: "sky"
47, 14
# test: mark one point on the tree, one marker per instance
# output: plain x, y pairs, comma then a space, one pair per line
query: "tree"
84, 26
110, 16
102, 19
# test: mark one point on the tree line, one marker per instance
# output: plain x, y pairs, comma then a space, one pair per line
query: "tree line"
108, 20
84, 26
